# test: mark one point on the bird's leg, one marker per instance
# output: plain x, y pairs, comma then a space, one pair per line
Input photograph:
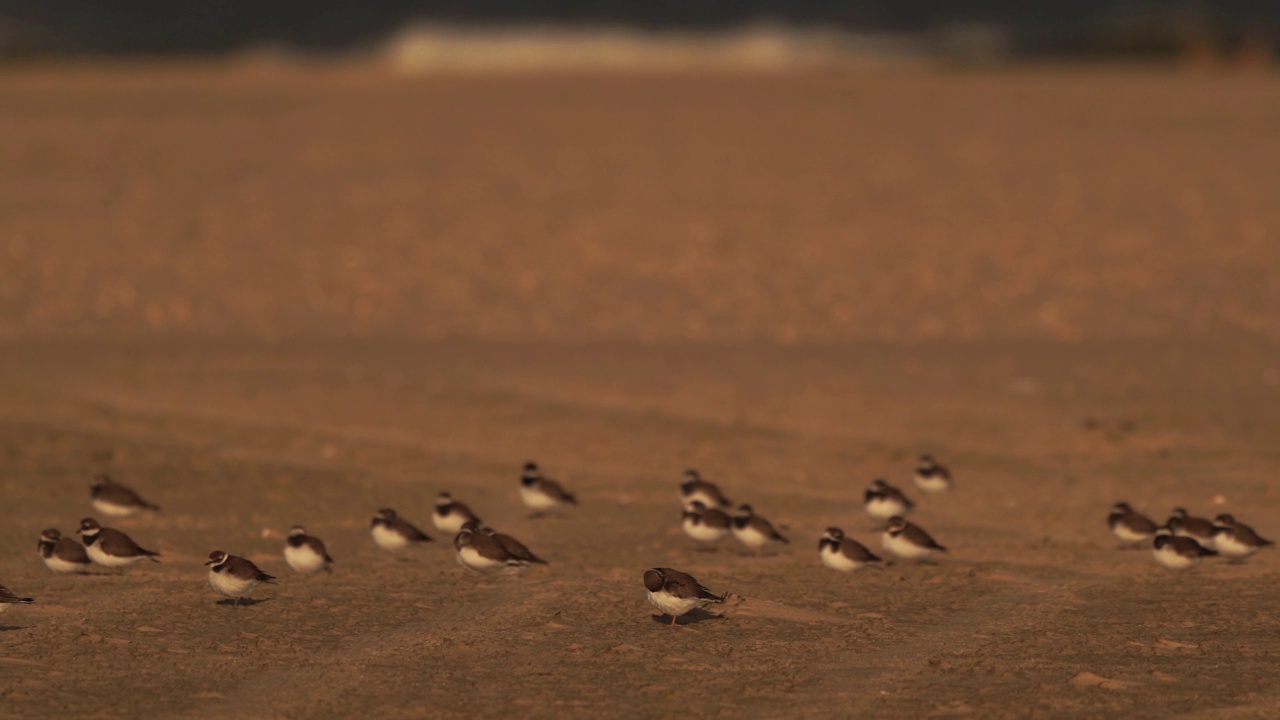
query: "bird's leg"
673, 620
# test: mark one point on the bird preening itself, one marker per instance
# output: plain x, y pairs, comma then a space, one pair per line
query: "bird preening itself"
675, 593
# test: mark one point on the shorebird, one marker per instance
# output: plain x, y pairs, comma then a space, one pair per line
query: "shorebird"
705, 526
110, 547
234, 576
842, 553
931, 477
62, 554
1129, 525
754, 531
908, 542
675, 593
112, 499
392, 533
306, 554
883, 501
541, 493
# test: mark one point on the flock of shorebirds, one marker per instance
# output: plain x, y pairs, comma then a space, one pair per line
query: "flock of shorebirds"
1180, 544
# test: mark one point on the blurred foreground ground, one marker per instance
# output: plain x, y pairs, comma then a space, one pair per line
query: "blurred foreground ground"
267, 296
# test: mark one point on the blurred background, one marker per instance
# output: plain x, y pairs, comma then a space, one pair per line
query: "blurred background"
785, 171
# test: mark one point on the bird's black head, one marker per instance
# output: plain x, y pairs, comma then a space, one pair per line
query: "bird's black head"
654, 579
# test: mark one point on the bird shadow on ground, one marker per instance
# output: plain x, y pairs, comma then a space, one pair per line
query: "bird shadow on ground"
11, 628
690, 618
244, 602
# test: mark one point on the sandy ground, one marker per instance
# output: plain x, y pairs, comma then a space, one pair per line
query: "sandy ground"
265, 298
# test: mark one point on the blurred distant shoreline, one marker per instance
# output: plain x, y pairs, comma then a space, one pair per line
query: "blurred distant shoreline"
417, 36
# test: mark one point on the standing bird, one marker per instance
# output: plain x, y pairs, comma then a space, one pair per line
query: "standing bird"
450, 515
754, 531
234, 576
908, 542
931, 477
675, 593
883, 501
306, 554
392, 533
842, 553
1235, 540
696, 489
482, 553
7, 598
1129, 525
62, 554
1197, 528
112, 499
111, 548
514, 547
706, 526
1178, 552
541, 493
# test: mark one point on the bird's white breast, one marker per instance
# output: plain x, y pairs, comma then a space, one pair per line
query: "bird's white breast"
885, 508
451, 523
932, 484
230, 585
57, 564
97, 555
1229, 546
303, 559
903, 548
670, 604
536, 499
750, 536
111, 509
1169, 558
471, 559
834, 559
1128, 536
388, 539
703, 532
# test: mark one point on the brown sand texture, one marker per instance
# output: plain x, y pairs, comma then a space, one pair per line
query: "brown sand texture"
267, 295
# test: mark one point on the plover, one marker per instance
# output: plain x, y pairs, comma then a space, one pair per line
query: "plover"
541, 493
706, 526
754, 531
62, 554
234, 576
306, 554
110, 547
844, 554
1236, 540
482, 553
7, 598
908, 542
1178, 552
1197, 528
514, 547
392, 533
696, 489
450, 515
1129, 525
931, 477
675, 593
883, 501
112, 499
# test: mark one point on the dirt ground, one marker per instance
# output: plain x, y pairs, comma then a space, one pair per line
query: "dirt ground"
267, 296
